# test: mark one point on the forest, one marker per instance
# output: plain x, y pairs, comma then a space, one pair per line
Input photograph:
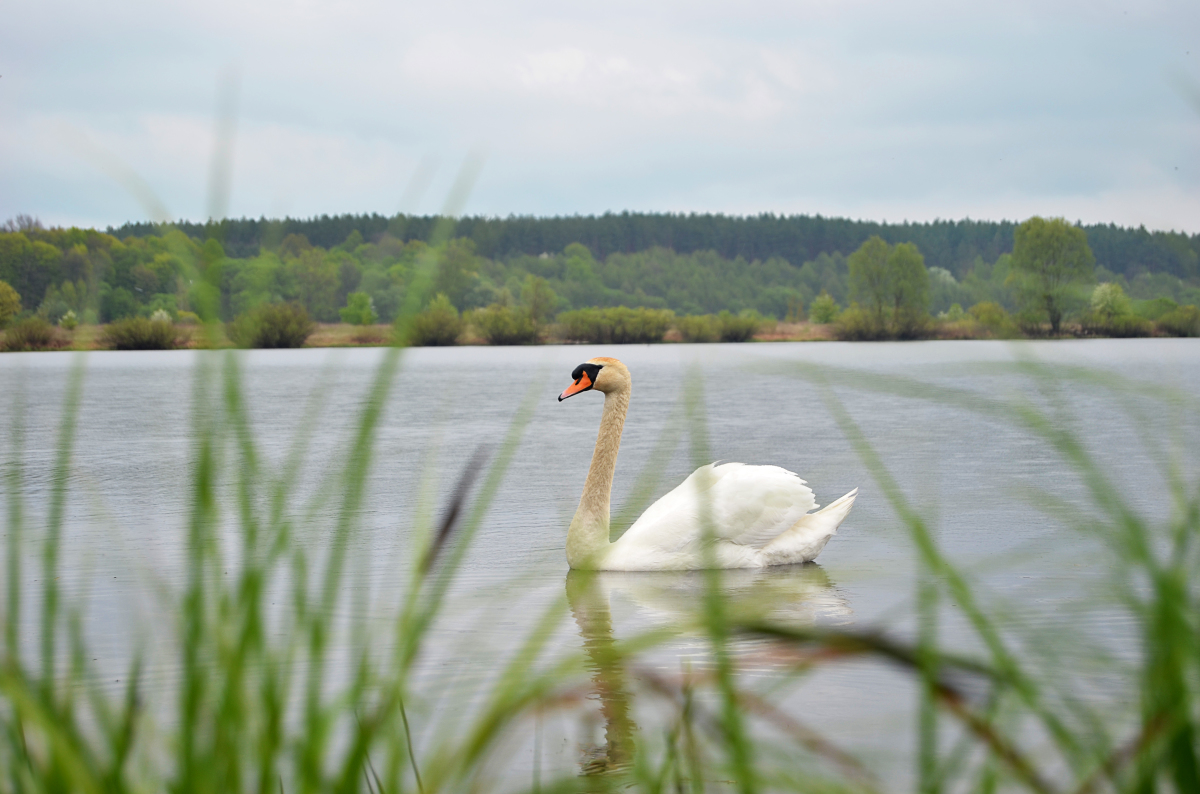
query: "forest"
697, 264
951, 245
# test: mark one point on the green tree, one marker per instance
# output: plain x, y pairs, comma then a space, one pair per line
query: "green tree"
581, 285
205, 295
1109, 301
293, 246
827, 274
892, 284
1111, 314
456, 270
824, 309
386, 290
869, 282
538, 298
116, 304
75, 295
255, 281
1050, 258
10, 303
907, 284
349, 275
53, 306
29, 266
359, 310
316, 280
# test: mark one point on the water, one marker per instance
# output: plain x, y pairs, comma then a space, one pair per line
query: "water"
976, 478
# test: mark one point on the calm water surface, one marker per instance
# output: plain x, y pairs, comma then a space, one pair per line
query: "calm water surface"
976, 478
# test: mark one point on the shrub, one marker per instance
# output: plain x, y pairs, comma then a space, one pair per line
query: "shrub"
994, 318
359, 310
10, 303
989, 313
1111, 314
68, 321
504, 325
53, 309
824, 309
1109, 301
188, 318
32, 333
619, 325
1029, 321
161, 316
856, 324
582, 325
140, 333
639, 326
698, 328
1183, 321
1154, 308
911, 323
438, 326
1129, 325
954, 314
271, 325
739, 327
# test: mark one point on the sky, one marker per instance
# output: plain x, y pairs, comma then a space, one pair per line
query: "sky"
138, 110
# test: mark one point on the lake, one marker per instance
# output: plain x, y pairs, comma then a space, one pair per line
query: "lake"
978, 480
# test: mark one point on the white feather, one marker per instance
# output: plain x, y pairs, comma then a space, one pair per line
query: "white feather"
729, 515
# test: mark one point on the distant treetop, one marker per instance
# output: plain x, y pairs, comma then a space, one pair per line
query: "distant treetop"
951, 245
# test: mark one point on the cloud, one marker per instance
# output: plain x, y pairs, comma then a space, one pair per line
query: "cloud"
863, 108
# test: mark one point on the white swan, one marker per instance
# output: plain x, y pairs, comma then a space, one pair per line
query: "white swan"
756, 515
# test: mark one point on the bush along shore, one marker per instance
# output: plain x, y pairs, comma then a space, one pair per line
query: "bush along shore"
81, 289
504, 326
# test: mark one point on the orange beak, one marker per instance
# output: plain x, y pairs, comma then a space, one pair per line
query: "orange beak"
583, 384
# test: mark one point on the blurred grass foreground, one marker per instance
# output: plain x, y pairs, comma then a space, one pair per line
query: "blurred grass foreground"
274, 690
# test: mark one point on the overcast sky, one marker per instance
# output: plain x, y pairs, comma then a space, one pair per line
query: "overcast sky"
870, 109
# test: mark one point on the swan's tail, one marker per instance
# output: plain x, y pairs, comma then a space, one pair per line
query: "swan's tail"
804, 541
834, 513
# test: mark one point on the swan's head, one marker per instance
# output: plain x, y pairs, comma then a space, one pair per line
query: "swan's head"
601, 374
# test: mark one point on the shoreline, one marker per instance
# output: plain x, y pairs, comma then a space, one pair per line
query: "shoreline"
334, 335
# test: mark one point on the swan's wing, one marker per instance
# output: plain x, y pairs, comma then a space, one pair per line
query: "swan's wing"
670, 524
747, 505
805, 540
753, 505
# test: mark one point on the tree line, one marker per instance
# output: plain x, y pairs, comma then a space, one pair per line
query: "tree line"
98, 277
954, 246
102, 278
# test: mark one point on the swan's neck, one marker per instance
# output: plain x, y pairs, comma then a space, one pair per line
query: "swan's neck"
588, 536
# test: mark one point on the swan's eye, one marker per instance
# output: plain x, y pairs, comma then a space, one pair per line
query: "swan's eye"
584, 378
590, 370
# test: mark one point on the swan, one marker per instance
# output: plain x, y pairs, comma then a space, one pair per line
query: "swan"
757, 515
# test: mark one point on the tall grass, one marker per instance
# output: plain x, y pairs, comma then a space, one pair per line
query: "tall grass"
1076, 747
264, 700
295, 699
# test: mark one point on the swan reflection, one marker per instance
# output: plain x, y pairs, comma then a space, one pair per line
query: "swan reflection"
792, 595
